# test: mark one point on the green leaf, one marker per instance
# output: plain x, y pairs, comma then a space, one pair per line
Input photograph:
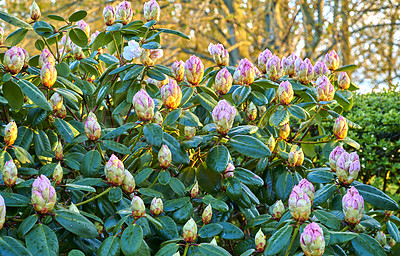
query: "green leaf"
323, 194
393, 231
366, 245
75, 252
172, 117
320, 177
101, 40
23, 156
240, 94
179, 156
177, 186
211, 249
110, 247
76, 223
169, 229
298, 112
169, 249
115, 194
341, 237
218, 158
351, 143
150, 192
80, 187
328, 219
55, 17
230, 231
207, 101
12, 247
41, 240
27, 225
187, 93
242, 130
64, 129
77, 16
155, 74
78, 37
279, 118
14, 20
278, 240
284, 185
131, 239
117, 147
249, 146
16, 37
164, 177
247, 177
91, 163
13, 95
189, 119
376, 197
233, 188
34, 94
209, 181
174, 32
153, 134
215, 203
350, 67
210, 230
259, 220
15, 200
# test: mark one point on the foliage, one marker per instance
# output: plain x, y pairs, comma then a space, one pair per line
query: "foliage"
229, 160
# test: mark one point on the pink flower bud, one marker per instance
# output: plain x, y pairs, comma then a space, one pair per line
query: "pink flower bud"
62, 113
207, 214
285, 92
381, 238
164, 157
219, 53
304, 70
35, 11
353, 206
2, 212
45, 57
261, 241
171, 94
292, 158
263, 59
78, 52
1, 36
194, 70
271, 143
178, 70
325, 90
332, 60
10, 133
84, 26
189, 132
157, 83
320, 69
223, 115
312, 240
48, 74
9, 173
340, 128
274, 68
149, 57
14, 60
58, 174
56, 100
223, 81
137, 207
156, 206
124, 12
133, 50
67, 43
308, 188
158, 118
299, 204
190, 231
194, 192
109, 15
229, 171
347, 167
343, 81
43, 195
288, 64
251, 112
92, 127
26, 58
245, 72
278, 210
128, 184
334, 156
114, 171
144, 106
59, 151
152, 10
284, 131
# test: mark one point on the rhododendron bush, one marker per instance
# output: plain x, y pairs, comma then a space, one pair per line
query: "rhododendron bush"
107, 152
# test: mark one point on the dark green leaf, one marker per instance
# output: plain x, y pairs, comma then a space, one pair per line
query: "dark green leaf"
91, 163
230, 231
249, 146
366, 245
117, 147
131, 239
350, 67
15, 200
341, 237
76, 223
279, 118
393, 231
218, 158
376, 197
240, 94
12, 247
323, 194
154, 134
211, 249
41, 240
320, 177
14, 20
13, 95
78, 37
77, 16
34, 94
110, 247
278, 240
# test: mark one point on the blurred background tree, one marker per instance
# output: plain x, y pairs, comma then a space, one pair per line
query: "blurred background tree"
361, 31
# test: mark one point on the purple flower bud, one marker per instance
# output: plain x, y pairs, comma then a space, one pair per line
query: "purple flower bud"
48, 74
285, 92
312, 240
353, 206
343, 81
320, 69
207, 214
288, 64
304, 70
132, 51
56, 100
299, 204
149, 57
35, 11
58, 173
45, 57
14, 60
2, 212
67, 43
43, 195
137, 207
164, 157
308, 188
92, 127
284, 131
251, 112
347, 167
334, 156
189, 132
274, 68
194, 70
9, 173
260, 240
152, 10
229, 171
128, 184
325, 90
245, 72
26, 57
190, 231
171, 94
332, 60
278, 210
114, 171
157, 83
223, 115
219, 53
340, 128
84, 26
124, 12
156, 206
178, 70
109, 15
263, 59
10, 133
144, 106
158, 118
223, 81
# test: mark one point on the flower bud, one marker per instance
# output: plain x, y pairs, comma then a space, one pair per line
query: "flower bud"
288, 64
207, 214
124, 12
9, 173
251, 112
195, 190
178, 253
156, 206
10, 133
137, 207
171, 94
133, 50
274, 68
189, 132
343, 81
334, 156
332, 60
388, 214
304, 70
245, 72
73, 208
284, 131
62, 113
392, 242
194, 70
263, 59
26, 58
92, 127
219, 53
48, 74
58, 174
59, 151
278, 210
347, 167
312, 240
43, 195
114, 171
178, 70
325, 90
340, 128
308, 188
35, 11
2, 212
149, 57
158, 118
67, 43
14, 60
190, 231
223, 115
292, 158
320, 69
93, 37
78, 52
128, 184
152, 10
164, 157
271, 143
285, 92
157, 83
260, 241
109, 15
1, 36
84, 26
381, 238
223, 81
45, 57
299, 204
353, 206
56, 100
144, 106
229, 171
300, 157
